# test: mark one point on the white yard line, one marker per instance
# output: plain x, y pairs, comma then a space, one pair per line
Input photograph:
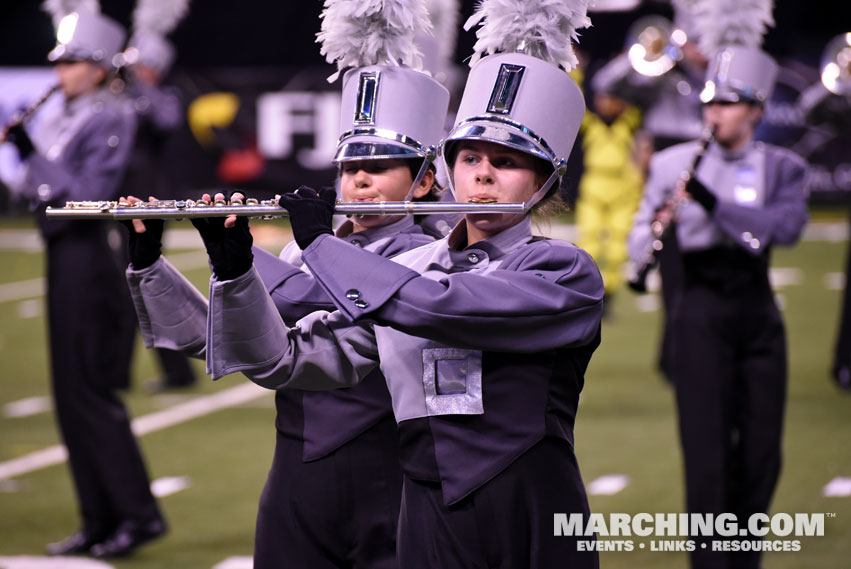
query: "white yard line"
197, 407
22, 290
27, 407
35, 288
608, 484
236, 562
168, 485
36, 562
838, 487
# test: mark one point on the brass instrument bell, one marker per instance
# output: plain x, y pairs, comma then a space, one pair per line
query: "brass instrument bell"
836, 65
654, 45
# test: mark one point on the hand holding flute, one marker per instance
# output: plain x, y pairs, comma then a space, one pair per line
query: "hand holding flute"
227, 241
144, 244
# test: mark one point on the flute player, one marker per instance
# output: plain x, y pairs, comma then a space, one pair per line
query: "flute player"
80, 152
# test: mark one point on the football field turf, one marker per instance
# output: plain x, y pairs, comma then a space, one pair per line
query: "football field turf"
209, 447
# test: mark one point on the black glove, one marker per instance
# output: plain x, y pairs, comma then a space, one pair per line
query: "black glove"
18, 136
701, 194
229, 249
310, 213
145, 248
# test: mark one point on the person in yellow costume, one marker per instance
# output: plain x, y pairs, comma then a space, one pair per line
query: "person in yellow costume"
610, 187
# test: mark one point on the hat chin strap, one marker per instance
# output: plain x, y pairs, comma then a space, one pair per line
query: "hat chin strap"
430, 155
428, 159
558, 172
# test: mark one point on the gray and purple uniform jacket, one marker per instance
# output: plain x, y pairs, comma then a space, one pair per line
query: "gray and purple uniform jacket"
484, 348
327, 420
173, 314
83, 148
762, 199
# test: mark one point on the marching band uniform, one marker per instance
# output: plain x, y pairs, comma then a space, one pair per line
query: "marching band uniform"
333, 447
484, 348
532, 322
729, 365
333, 492
80, 154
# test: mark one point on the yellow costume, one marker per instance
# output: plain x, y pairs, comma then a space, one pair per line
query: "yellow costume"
609, 192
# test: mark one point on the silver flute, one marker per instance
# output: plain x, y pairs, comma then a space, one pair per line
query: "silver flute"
183, 209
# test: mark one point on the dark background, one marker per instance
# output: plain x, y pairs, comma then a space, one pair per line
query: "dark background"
251, 47
282, 32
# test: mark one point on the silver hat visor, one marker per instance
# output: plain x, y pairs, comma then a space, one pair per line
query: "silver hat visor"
739, 74
503, 131
729, 93
64, 53
377, 144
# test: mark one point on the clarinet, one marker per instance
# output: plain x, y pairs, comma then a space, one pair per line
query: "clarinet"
22, 116
660, 229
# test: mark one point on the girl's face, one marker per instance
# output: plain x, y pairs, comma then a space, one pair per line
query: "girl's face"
489, 172
79, 77
379, 180
734, 123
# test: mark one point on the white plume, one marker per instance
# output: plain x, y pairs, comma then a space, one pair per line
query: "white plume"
159, 16
731, 22
58, 9
541, 28
444, 16
686, 5
357, 33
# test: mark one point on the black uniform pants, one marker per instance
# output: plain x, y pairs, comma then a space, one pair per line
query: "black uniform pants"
729, 371
339, 511
842, 352
506, 524
83, 312
671, 272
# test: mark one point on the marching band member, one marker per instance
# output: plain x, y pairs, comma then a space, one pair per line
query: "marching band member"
333, 492
483, 336
671, 109
729, 367
610, 187
147, 61
80, 153
827, 105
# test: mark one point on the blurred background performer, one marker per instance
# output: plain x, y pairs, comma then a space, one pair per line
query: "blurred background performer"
159, 112
730, 365
80, 154
662, 74
332, 496
484, 336
826, 105
610, 186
